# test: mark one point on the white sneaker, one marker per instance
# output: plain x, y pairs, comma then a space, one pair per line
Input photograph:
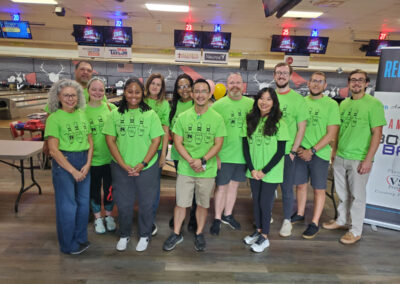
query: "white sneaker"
110, 223
251, 239
99, 226
272, 220
122, 243
260, 245
142, 244
286, 229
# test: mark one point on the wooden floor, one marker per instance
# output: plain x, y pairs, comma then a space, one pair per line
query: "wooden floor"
29, 250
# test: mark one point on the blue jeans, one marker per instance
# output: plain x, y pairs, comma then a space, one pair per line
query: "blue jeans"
72, 203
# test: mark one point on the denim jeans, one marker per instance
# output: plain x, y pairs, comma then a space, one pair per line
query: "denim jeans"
72, 203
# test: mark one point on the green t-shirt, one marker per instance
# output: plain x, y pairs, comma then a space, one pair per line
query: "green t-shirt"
198, 134
71, 130
321, 113
262, 148
234, 115
358, 117
134, 131
85, 93
96, 116
162, 110
180, 107
294, 111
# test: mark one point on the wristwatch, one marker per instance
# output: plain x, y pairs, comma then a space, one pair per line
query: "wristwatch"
313, 151
144, 164
294, 153
203, 161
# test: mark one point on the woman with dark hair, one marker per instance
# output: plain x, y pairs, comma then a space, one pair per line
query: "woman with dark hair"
154, 96
264, 146
182, 101
97, 112
71, 146
133, 134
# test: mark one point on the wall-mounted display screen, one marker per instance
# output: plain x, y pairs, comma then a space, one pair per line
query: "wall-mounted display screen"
13, 29
88, 35
187, 39
117, 36
299, 44
216, 40
375, 46
283, 44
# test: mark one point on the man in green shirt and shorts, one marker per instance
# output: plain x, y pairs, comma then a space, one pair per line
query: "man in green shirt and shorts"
198, 136
314, 154
362, 118
231, 165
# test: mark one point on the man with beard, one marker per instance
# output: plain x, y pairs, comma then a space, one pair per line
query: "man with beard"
293, 109
231, 163
312, 161
362, 118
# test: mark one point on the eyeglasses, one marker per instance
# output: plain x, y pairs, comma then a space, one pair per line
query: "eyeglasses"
279, 73
203, 92
360, 80
69, 96
319, 82
183, 87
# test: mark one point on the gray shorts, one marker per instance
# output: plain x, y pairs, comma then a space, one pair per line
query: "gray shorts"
316, 170
229, 171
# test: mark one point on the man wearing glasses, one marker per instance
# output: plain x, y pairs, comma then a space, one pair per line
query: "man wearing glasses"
294, 114
362, 118
231, 163
312, 161
198, 136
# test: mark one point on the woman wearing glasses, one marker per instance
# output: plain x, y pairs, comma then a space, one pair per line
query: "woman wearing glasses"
70, 145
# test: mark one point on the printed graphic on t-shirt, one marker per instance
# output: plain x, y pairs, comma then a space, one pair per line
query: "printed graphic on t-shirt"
258, 137
349, 118
236, 119
76, 132
133, 128
198, 133
96, 126
313, 116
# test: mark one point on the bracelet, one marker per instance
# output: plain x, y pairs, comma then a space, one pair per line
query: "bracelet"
144, 164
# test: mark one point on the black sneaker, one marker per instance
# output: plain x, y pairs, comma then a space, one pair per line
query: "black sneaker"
154, 229
296, 218
311, 231
215, 227
172, 241
82, 248
192, 226
229, 220
199, 242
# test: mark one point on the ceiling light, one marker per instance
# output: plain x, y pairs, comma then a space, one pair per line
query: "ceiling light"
301, 14
167, 8
50, 2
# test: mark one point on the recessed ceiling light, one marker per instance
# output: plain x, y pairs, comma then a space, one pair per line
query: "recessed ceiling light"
167, 8
301, 14
50, 2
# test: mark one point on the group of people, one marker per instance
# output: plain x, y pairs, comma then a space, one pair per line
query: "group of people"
279, 138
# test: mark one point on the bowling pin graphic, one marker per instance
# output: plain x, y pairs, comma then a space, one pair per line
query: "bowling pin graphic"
199, 136
78, 133
190, 133
122, 127
70, 134
240, 119
284, 111
354, 119
259, 136
141, 127
131, 127
207, 138
101, 123
232, 119
315, 117
93, 127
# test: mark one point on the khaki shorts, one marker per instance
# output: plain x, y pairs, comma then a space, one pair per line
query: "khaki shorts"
186, 186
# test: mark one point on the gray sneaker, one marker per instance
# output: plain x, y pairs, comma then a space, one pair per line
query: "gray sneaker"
172, 241
251, 239
286, 229
110, 223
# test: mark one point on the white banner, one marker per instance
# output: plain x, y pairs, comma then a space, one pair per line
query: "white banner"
184, 55
297, 60
215, 57
383, 188
90, 51
118, 52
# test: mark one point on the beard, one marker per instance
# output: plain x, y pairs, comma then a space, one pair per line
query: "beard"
282, 86
315, 94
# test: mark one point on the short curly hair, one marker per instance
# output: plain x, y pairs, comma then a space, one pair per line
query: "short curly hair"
53, 101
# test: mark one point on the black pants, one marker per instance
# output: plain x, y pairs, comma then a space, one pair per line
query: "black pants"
263, 199
100, 175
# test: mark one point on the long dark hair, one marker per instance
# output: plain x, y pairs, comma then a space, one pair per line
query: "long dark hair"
176, 97
124, 104
253, 118
161, 94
